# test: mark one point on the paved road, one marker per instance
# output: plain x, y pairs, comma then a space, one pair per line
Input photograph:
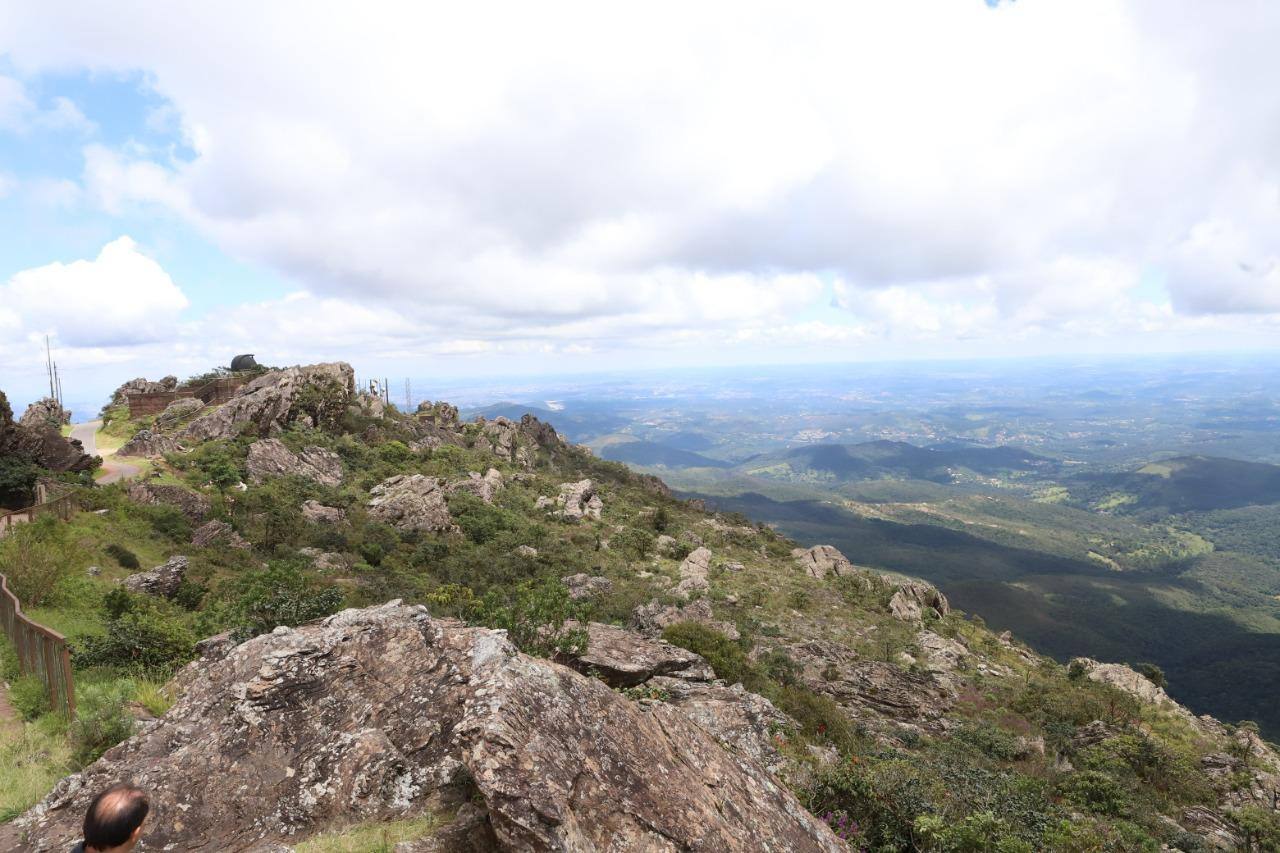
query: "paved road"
113, 470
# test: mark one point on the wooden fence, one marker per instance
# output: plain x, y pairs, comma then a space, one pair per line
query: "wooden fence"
41, 651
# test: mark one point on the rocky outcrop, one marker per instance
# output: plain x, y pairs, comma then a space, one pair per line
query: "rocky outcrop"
162, 581
411, 502
582, 585
141, 385
326, 561
693, 573
275, 399
270, 458
178, 411
650, 619
917, 700
483, 487
384, 713
438, 414
218, 533
624, 659
667, 546
576, 501
822, 560
45, 413
43, 444
193, 505
743, 721
318, 513
913, 598
146, 443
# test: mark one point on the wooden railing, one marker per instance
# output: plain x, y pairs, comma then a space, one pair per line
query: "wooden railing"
41, 651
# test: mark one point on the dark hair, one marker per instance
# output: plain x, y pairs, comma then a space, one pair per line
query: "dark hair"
114, 815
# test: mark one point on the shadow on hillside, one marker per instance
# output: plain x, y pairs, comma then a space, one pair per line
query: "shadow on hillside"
1061, 606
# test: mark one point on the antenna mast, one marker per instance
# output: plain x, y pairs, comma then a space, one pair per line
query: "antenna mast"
48, 366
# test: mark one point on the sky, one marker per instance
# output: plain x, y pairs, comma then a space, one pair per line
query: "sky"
493, 189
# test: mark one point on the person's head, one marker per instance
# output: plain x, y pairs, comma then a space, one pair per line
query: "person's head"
114, 820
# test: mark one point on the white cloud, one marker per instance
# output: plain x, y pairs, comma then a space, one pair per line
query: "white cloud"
19, 112
589, 175
121, 297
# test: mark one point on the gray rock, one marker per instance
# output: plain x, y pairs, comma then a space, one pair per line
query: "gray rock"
218, 533
483, 487
270, 458
148, 444
178, 411
912, 598
623, 658
268, 403
45, 413
579, 500
162, 581
693, 573
822, 560
193, 505
411, 502
383, 713
667, 546
650, 619
318, 513
583, 585
526, 551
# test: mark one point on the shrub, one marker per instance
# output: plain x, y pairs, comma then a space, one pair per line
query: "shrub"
1095, 791
533, 614
36, 557
281, 595
122, 555
17, 481
633, 542
102, 720
28, 696
168, 521
1152, 673
142, 638
725, 656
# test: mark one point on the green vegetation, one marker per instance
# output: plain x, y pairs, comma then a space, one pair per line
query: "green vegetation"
1031, 757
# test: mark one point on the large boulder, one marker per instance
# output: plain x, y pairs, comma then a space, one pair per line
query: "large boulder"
318, 513
694, 571
581, 585
218, 533
149, 444
194, 506
911, 599
142, 385
275, 399
579, 500
484, 487
162, 581
653, 617
270, 458
45, 413
178, 411
385, 713
42, 444
411, 502
624, 659
822, 560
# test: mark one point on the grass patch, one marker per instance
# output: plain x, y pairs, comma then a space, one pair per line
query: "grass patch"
33, 757
380, 837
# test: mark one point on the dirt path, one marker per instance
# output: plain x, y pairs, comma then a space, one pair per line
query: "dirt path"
113, 470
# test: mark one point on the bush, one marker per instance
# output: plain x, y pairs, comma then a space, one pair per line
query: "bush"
17, 481
725, 656
142, 638
281, 595
1152, 673
36, 557
122, 555
1096, 792
28, 696
102, 720
533, 614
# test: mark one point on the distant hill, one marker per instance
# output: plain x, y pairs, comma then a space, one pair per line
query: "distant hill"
876, 459
1185, 484
652, 453
578, 424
